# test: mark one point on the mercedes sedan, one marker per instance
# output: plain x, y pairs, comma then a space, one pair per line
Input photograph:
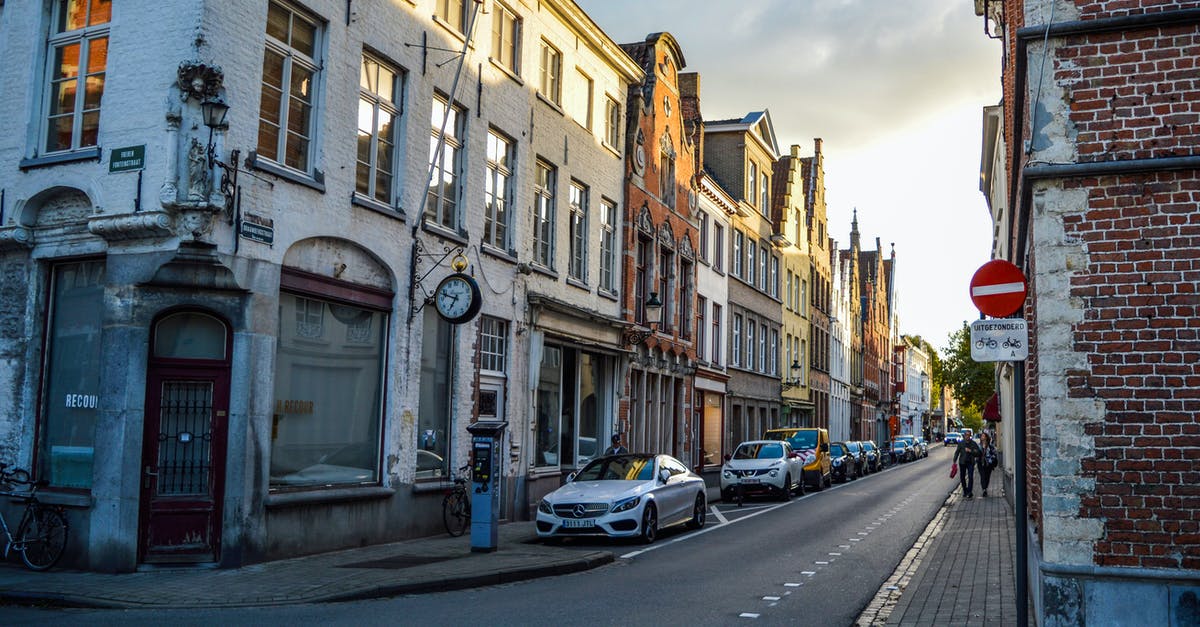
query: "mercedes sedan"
624, 496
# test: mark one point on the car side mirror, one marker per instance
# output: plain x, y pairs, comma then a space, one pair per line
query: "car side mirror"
663, 475
570, 477
727, 457
825, 447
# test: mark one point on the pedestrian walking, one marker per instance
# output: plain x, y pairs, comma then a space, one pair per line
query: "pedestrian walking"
617, 448
966, 456
987, 461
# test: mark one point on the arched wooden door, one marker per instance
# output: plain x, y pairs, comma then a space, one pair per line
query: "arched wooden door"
186, 428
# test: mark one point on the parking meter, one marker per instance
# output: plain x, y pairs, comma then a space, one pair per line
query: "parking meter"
485, 483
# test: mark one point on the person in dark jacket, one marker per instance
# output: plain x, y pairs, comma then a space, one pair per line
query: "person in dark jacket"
987, 460
617, 448
966, 456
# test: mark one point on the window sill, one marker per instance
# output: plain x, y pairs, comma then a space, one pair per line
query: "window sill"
445, 233
543, 270
608, 294
501, 255
66, 497
499, 65
87, 154
613, 149
316, 496
452, 29
359, 200
550, 103
432, 486
315, 181
576, 283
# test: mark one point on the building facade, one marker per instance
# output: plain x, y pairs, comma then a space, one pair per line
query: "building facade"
1099, 133
791, 240
225, 331
819, 287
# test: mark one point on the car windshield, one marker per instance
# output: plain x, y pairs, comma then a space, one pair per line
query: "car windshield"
853, 447
618, 468
759, 451
897, 444
868, 446
801, 440
836, 450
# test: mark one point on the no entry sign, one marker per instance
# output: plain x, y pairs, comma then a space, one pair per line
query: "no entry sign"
998, 288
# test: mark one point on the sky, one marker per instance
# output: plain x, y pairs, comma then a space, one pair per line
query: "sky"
894, 88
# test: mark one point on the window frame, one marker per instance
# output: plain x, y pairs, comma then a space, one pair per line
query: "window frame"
608, 245
84, 38
550, 78
445, 212
716, 335
291, 58
494, 218
506, 54
544, 223
443, 11
393, 106
612, 123
577, 203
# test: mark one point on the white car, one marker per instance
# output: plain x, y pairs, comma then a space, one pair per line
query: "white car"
763, 466
623, 496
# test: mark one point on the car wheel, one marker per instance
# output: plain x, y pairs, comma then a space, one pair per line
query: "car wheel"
801, 489
698, 513
820, 482
828, 481
786, 493
649, 524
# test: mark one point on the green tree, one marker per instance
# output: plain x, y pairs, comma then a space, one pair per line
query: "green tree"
973, 382
972, 418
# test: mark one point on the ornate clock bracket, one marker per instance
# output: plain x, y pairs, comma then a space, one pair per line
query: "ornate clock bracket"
458, 263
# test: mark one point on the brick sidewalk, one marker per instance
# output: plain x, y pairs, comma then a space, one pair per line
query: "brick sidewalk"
959, 572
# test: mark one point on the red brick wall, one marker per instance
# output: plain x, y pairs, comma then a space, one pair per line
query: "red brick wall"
1091, 9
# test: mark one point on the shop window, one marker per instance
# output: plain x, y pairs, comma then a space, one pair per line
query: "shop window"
328, 393
77, 59
434, 426
573, 405
72, 374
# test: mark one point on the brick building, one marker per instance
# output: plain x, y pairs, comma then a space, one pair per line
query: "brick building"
791, 239
818, 286
1100, 129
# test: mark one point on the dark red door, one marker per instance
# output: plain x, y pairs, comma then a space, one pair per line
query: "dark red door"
183, 460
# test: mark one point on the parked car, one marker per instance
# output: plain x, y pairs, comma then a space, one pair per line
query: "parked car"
819, 472
901, 451
860, 457
924, 447
953, 437
632, 495
763, 467
844, 462
875, 457
914, 445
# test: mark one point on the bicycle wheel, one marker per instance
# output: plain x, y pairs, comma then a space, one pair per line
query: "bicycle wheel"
42, 538
456, 512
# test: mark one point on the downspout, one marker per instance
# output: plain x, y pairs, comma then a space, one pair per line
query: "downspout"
1020, 188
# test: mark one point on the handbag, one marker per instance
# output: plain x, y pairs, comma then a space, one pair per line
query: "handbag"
953, 470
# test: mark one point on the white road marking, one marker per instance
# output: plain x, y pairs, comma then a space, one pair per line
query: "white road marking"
747, 615
835, 553
822, 563
808, 573
793, 585
843, 546
864, 533
717, 514
855, 539
771, 598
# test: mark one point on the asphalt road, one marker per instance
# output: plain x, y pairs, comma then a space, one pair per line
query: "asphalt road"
816, 560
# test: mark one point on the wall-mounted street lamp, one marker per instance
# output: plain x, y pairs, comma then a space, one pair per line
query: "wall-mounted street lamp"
214, 111
653, 307
788, 384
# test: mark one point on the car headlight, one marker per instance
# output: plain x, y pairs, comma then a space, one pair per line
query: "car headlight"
627, 504
725, 472
774, 472
837, 462
544, 507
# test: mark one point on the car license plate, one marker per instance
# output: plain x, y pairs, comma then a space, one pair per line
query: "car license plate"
578, 524
750, 480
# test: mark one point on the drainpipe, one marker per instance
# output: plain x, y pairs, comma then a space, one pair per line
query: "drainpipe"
1019, 188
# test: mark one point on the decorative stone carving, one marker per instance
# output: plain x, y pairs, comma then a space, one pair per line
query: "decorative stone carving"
195, 221
665, 237
15, 237
131, 226
168, 193
685, 247
198, 174
200, 81
644, 221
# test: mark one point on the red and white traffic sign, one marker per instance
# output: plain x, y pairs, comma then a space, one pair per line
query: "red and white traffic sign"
998, 288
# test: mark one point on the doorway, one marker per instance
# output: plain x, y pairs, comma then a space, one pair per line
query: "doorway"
184, 443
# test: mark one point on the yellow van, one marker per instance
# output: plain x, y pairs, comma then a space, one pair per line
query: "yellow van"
811, 441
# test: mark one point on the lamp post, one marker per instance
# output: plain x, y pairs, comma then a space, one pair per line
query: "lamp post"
788, 384
653, 307
214, 112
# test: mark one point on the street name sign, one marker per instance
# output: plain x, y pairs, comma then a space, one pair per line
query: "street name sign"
998, 288
1000, 339
127, 159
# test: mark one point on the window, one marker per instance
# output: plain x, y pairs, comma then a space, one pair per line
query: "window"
751, 349
328, 393
752, 183
751, 255
434, 426
735, 347
543, 215
666, 289
577, 268
497, 190
612, 123
718, 257
453, 13
286, 122
762, 348
702, 242
763, 255
804, 297
773, 282
572, 405
641, 279
506, 37
738, 241
550, 73
686, 292
445, 158
493, 349
716, 335
77, 50
608, 245
701, 327
764, 190
379, 89
773, 353
666, 173
787, 290
581, 97
71, 374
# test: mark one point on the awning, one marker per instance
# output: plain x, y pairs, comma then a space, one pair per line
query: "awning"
991, 409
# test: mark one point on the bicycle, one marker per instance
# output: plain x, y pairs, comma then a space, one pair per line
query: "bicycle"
456, 505
41, 537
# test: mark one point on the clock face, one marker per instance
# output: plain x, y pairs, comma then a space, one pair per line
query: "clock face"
457, 298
